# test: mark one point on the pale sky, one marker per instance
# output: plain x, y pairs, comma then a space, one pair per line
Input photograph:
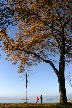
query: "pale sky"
43, 80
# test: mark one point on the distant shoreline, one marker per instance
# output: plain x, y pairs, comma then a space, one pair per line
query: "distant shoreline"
24, 99
49, 99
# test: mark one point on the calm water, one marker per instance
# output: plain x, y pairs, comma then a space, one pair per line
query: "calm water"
29, 101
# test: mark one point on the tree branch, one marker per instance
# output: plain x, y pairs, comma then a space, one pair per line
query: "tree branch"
66, 22
46, 61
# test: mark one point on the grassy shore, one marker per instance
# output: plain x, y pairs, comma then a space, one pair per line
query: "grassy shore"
34, 105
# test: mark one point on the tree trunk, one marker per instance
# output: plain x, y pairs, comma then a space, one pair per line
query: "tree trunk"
62, 90
61, 80
61, 77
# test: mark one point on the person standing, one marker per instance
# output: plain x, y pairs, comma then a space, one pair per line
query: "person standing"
37, 99
41, 98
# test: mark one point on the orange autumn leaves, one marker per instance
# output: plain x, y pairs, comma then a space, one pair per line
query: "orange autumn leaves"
3, 34
39, 31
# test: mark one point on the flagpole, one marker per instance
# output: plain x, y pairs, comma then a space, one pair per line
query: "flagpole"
26, 86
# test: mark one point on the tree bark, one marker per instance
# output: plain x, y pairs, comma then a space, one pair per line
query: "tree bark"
61, 77
62, 90
61, 80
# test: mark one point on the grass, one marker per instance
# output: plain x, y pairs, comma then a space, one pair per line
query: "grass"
33, 105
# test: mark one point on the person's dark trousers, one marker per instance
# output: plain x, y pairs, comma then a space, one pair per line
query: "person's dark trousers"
41, 98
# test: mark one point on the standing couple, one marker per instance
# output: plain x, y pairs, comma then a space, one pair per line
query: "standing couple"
38, 99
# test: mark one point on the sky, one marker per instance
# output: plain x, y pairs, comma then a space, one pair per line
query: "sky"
42, 81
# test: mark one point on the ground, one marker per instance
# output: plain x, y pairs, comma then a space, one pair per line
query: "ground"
33, 105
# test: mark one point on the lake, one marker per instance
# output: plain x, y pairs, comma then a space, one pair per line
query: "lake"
29, 101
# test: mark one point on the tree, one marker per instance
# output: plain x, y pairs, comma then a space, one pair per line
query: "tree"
45, 30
